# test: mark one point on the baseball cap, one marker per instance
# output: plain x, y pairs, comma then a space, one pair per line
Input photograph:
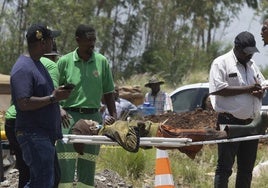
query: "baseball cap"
246, 41
40, 31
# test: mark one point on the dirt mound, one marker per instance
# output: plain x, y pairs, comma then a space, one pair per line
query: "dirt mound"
197, 119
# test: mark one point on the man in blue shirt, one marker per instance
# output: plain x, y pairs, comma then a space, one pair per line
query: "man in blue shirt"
38, 119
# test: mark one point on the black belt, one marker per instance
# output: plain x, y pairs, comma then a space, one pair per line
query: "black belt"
83, 110
231, 117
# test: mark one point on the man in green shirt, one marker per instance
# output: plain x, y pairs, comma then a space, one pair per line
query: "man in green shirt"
90, 72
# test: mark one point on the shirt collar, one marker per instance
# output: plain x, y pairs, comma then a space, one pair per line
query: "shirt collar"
77, 58
75, 55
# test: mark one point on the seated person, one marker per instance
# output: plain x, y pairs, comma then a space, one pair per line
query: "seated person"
124, 108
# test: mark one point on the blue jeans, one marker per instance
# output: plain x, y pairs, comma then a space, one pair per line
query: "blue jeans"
38, 153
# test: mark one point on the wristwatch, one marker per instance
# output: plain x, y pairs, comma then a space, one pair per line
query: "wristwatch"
52, 98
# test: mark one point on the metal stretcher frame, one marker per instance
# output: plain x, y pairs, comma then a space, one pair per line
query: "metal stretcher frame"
153, 141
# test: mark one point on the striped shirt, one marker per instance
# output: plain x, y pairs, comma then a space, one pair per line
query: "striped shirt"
161, 102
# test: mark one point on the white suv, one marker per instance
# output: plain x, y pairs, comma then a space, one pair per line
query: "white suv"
190, 97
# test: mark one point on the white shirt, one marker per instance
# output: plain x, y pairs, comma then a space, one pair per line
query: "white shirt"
227, 71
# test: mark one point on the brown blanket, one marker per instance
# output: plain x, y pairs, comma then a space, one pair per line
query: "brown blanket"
195, 134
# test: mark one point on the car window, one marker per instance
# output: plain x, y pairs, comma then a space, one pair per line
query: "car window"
265, 99
182, 101
201, 98
188, 100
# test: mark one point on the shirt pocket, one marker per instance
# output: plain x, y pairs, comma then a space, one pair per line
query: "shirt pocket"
233, 79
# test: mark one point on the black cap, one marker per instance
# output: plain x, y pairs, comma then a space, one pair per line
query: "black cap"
246, 41
85, 31
40, 31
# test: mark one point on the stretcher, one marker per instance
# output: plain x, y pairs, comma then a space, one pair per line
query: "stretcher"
154, 141
133, 134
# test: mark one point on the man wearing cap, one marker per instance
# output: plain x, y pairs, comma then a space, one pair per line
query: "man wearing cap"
235, 85
90, 72
38, 118
157, 98
53, 55
10, 119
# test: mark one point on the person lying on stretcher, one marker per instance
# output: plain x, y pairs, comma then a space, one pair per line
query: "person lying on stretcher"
127, 133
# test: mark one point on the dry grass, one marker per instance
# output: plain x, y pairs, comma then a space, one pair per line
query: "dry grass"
138, 168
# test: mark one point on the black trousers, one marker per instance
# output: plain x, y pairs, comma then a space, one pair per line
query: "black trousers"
245, 153
24, 172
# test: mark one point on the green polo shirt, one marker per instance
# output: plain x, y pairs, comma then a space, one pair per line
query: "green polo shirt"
52, 69
11, 112
54, 74
92, 79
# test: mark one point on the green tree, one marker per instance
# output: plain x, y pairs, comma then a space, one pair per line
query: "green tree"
174, 37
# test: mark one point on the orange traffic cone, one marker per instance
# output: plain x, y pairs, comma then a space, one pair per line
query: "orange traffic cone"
163, 175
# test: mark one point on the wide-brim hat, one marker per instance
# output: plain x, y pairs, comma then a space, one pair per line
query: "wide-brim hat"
154, 80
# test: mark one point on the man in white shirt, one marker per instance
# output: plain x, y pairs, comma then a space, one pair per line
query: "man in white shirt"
235, 83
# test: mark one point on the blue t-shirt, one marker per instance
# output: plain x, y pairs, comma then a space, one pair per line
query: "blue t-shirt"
29, 78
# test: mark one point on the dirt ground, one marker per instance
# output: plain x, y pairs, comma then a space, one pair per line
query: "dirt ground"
197, 119
104, 179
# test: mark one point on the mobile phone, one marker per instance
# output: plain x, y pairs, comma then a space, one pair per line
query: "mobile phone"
68, 86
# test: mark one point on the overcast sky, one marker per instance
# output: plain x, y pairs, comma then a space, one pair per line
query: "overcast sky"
247, 21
